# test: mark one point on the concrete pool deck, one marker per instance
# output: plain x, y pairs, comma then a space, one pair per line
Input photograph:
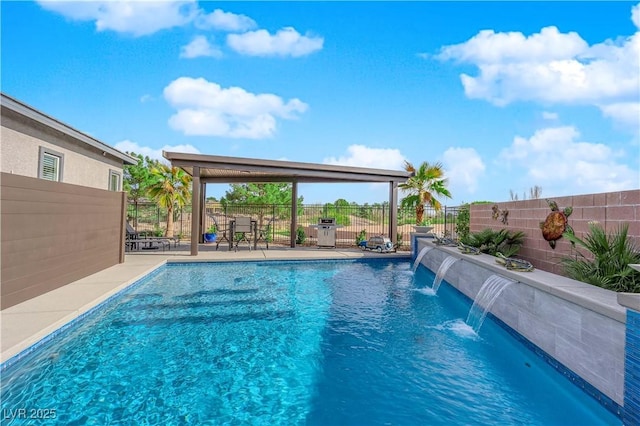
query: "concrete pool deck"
25, 324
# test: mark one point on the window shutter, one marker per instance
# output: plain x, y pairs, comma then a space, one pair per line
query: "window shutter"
50, 167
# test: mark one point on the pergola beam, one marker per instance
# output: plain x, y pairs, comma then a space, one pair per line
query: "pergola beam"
287, 179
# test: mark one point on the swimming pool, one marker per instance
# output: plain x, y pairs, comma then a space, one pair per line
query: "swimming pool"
331, 342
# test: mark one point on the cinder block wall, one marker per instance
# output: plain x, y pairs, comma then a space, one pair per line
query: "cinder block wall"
55, 233
610, 209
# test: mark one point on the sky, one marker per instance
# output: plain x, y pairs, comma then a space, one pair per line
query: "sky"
507, 96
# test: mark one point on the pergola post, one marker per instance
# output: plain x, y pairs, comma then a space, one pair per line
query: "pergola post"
294, 212
393, 211
202, 213
195, 209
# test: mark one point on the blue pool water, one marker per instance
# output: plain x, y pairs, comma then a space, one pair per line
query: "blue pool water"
320, 343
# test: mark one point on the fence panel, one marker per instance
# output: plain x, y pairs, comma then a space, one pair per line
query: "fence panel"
354, 220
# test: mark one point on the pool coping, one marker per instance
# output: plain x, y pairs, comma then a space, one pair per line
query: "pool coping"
28, 324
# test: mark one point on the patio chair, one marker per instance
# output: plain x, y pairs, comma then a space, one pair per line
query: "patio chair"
222, 233
242, 228
131, 239
264, 232
136, 241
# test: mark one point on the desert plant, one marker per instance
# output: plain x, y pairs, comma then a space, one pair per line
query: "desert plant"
607, 264
462, 222
492, 242
425, 184
157, 231
267, 233
301, 236
170, 187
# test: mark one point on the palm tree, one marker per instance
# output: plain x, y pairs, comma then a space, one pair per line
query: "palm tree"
170, 187
426, 183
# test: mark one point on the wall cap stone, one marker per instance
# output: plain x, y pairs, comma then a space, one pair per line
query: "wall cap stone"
630, 301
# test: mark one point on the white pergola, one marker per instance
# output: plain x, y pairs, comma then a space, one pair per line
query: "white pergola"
218, 169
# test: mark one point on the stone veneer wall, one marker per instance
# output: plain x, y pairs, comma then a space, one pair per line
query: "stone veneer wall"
610, 209
578, 325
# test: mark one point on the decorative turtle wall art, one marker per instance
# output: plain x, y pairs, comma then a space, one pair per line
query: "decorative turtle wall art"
502, 214
556, 223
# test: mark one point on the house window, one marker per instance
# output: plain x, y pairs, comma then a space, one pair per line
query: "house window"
114, 180
51, 165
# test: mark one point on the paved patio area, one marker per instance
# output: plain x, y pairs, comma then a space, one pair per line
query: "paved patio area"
25, 324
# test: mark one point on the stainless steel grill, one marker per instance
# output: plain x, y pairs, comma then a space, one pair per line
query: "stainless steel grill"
327, 232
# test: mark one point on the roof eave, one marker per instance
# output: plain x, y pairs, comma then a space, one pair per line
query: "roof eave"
46, 120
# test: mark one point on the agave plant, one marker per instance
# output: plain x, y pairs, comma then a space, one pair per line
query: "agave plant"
607, 262
493, 242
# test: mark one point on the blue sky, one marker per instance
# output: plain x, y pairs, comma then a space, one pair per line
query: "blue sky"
506, 95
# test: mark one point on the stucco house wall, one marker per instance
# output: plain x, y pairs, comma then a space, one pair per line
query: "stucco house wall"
86, 161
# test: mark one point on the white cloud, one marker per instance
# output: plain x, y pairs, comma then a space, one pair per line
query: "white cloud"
559, 162
137, 18
146, 98
156, 154
464, 167
207, 109
549, 115
286, 42
200, 46
635, 15
489, 47
143, 17
625, 113
364, 156
551, 67
224, 21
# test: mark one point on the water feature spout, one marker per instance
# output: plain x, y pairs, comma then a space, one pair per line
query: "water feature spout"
489, 292
442, 270
420, 256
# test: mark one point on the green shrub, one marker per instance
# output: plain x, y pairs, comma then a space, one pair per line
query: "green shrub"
267, 233
362, 236
607, 264
301, 236
462, 222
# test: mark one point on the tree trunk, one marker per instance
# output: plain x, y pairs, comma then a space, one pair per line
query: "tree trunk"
169, 230
419, 213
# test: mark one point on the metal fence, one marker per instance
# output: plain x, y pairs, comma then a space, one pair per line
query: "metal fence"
355, 221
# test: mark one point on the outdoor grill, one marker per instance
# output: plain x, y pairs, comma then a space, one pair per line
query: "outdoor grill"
327, 232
